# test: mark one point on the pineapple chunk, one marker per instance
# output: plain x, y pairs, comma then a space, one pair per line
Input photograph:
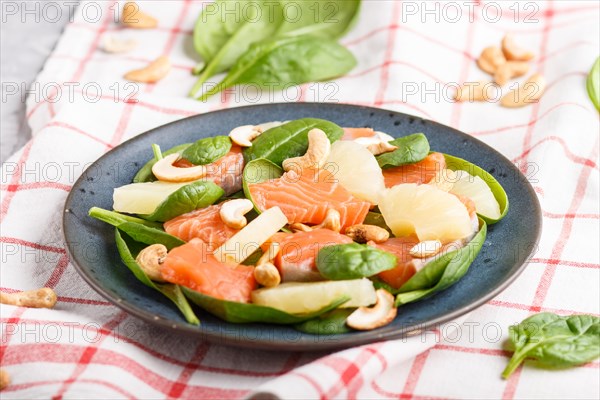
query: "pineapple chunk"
300, 297
477, 190
426, 211
356, 169
241, 245
143, 198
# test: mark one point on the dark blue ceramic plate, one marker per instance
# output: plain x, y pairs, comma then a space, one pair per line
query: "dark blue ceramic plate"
93, 252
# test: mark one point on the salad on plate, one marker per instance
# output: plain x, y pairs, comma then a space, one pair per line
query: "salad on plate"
304, 223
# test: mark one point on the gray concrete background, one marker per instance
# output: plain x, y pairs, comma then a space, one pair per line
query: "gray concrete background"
26, 41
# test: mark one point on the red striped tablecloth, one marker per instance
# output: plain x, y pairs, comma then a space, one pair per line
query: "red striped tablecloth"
407, 61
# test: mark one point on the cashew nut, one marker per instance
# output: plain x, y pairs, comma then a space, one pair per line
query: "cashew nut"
509, 70
473, 91
265, 273
490, 59
150, 260
4, 379
40, 298
112, 44
527, 93
382, 313
134, 18
381, 147
153, 72
513, 52
232, 212
332, 221
384, 137
363, 233
243, 135
376, 145
319, 147
300, 227
164, 170
426, 249
444, 179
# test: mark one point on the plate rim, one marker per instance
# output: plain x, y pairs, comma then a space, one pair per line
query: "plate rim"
317, 345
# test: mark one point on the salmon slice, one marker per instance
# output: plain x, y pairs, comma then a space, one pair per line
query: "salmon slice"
298, 251
225, 172
355, 133
419, 172
306, 195
194, 266
204, 224
407, 265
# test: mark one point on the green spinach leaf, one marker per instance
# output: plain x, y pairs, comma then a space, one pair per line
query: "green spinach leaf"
352, 261
411, 149
207, 150
213, 28
145, 173
129, 249
287, 61
555, 341
114, 218
221, 37
235, 312
331, 323
379, 284
455, 164
139, 229
187, 198
593, 84
260, 170
254, 257
443, 271
325, 18
289, 140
